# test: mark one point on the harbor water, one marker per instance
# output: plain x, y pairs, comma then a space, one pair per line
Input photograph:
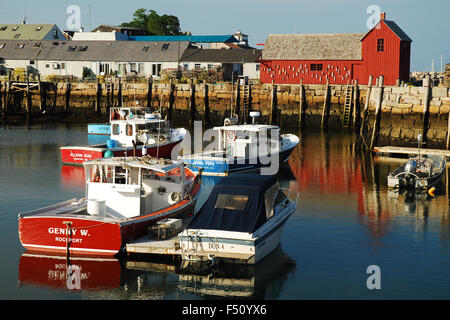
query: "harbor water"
346, 223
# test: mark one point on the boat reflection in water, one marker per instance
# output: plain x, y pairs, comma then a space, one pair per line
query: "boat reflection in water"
233, 280
72, 177
156, 278
78, 273
223, 280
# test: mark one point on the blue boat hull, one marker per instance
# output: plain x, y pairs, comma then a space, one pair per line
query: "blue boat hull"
216, 166
99, 128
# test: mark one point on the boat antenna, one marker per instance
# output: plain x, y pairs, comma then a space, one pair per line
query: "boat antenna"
159, 130
419, 142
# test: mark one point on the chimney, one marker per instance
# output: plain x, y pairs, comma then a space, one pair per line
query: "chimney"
24, 20
383, 16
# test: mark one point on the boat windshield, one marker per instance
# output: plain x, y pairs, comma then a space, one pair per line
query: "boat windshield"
233, 202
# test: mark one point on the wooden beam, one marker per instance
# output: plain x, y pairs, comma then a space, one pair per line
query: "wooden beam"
366, 111
326, 107
426, 107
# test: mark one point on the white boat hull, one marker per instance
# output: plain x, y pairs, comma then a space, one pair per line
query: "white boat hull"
250, 248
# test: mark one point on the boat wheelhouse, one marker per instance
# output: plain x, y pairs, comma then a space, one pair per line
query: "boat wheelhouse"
243, 148
131, 135
242, 220
116, 113
124, 196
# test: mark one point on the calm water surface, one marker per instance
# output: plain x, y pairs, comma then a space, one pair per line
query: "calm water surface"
346, 221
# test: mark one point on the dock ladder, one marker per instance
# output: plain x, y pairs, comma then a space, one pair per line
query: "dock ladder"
347, 106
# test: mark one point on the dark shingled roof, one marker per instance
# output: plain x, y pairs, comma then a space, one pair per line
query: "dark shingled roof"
221, 55
397, 30
92, 50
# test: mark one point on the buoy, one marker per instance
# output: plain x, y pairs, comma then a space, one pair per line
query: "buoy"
108, 154
431, 191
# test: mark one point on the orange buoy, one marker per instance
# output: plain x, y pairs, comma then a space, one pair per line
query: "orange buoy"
431, 191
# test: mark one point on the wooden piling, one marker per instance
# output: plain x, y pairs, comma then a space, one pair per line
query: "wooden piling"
28, 99
273, 104
237, 97
448, 132
112, 94
192, 102
171, 100
376, 125
98, 99
119, 94
326, 106
207, 118
356, 107
149, 91
40, 88
2, 102
426, 107
301, 105
365, 112
67, 100
7, 86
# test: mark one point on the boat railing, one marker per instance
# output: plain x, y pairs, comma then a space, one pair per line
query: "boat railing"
72, 202
290, 194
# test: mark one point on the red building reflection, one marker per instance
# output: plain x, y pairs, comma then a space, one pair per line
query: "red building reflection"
328, 164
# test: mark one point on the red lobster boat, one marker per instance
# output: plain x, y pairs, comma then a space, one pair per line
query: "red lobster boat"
132, 134
124, 196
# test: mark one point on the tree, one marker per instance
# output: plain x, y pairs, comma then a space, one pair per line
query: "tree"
153, 23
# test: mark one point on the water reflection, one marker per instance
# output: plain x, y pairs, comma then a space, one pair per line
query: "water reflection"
80, 273
156, 278
331, 164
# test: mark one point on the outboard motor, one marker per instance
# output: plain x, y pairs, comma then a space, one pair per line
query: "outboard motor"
411, 166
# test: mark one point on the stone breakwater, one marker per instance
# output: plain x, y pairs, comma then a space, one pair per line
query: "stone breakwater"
405, 111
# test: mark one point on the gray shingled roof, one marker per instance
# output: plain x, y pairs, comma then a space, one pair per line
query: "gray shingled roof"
25, 31
313, 47
92, 50
221, 55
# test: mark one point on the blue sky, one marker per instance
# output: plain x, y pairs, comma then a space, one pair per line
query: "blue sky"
426, 22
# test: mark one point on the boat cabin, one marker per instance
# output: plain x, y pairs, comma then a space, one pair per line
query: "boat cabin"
140, 131
240, 140
243, 209
130, 187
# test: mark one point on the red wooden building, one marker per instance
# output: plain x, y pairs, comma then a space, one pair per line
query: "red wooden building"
339, 58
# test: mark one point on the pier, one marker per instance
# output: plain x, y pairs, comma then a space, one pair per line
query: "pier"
391, 150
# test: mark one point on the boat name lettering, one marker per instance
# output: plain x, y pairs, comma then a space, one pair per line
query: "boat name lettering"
62, 239
65, 231
205, 162
216, 246
81, 155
